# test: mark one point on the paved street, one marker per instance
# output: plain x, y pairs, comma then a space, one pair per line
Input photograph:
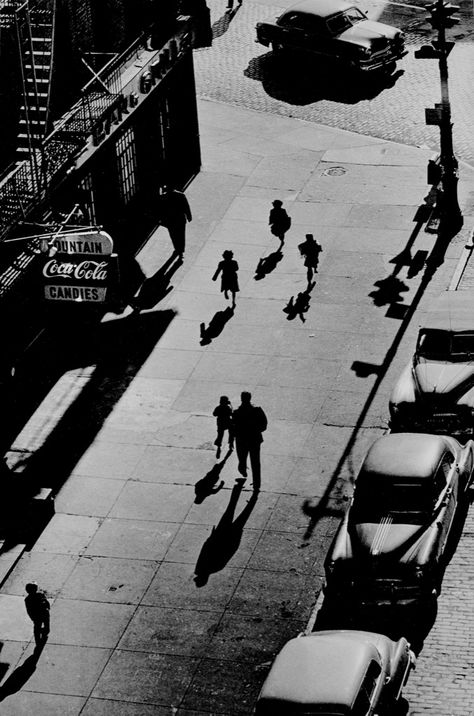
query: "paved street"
129, 430
241, 72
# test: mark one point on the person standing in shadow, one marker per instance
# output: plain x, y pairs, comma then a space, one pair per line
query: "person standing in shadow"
279, 221
310, 250
249, 422
174, 212
228, 267
37, 608
225, 538
223, 415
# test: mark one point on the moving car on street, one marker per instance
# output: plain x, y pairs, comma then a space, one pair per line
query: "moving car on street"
391, 545
336, 30
435, 392
336, 673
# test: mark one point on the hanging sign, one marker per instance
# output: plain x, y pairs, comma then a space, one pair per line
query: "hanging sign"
87, 243
82, 268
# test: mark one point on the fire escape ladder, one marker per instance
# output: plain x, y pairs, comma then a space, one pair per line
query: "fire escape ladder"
35, 33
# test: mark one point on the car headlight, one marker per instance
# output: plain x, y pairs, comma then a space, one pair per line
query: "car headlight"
330, 566
365, 51
419, 572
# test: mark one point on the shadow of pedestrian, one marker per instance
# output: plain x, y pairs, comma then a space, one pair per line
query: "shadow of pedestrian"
154, 289
224, 540
267, 264
216, 325
221, 25
20, 676
300, 305
207, 485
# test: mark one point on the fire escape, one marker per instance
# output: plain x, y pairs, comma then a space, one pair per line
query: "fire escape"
34, 23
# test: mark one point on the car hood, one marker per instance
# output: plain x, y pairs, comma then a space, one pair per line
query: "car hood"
384, 537
368, 32
443, 377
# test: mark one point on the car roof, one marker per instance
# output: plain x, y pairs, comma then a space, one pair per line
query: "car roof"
322, 668
451, 311
322, 8
404, 455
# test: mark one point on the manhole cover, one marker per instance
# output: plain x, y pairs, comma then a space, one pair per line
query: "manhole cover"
335, 171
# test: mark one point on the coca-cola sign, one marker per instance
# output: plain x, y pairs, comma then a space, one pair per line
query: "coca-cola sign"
87, 269
77, 278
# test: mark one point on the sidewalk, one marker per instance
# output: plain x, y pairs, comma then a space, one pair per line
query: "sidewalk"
131, 632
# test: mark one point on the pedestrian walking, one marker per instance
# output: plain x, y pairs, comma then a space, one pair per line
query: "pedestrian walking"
223, 415
37, 608
249, 422
174, 213
228, 267
279, 220
230, 5
310, 250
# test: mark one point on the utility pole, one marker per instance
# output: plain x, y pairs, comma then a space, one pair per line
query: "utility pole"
443, 171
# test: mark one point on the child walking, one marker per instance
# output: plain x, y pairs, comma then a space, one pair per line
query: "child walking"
223, 414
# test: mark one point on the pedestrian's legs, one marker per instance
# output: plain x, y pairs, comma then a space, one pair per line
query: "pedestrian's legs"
45, 626
230, 4
309, 274
177, 235
233, 299
220, 435
242, 454
231, 439
37, 631
255, 465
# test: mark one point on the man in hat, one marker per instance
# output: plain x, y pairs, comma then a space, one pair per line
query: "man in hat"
37, 607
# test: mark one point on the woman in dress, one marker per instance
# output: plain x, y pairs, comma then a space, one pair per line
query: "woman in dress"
228, 268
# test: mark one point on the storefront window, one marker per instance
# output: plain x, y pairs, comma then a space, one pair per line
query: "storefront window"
127, 165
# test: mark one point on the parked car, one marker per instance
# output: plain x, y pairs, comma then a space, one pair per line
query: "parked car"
337, 30
337, 673
390, 547
435, 392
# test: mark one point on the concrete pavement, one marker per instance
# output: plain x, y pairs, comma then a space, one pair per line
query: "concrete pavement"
131, 632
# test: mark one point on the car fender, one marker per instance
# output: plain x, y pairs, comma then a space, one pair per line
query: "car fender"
404, 389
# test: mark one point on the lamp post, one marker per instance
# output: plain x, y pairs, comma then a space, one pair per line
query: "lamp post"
447, 205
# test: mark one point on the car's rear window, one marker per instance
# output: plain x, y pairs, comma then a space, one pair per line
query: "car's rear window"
409, 497
445, 345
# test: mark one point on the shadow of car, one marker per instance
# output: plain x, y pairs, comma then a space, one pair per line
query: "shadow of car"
336, 672
282, 79
435, 391
336, 30
392, 545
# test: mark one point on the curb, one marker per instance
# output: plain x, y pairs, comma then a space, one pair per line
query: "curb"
462, 263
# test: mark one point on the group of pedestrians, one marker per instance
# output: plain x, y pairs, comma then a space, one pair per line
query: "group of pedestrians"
245, 426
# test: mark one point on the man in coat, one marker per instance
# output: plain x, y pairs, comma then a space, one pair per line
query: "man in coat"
174, 213
249, 422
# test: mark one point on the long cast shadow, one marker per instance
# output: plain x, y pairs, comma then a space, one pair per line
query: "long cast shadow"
267, 264
315, 510
19, 677
216, 325
113, 352
225, 537
207, 485
157, 287
284, 79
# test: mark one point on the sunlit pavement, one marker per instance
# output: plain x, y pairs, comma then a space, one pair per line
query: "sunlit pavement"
132, 632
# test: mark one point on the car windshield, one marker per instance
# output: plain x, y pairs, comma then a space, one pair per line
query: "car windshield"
445, 345
343, 20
